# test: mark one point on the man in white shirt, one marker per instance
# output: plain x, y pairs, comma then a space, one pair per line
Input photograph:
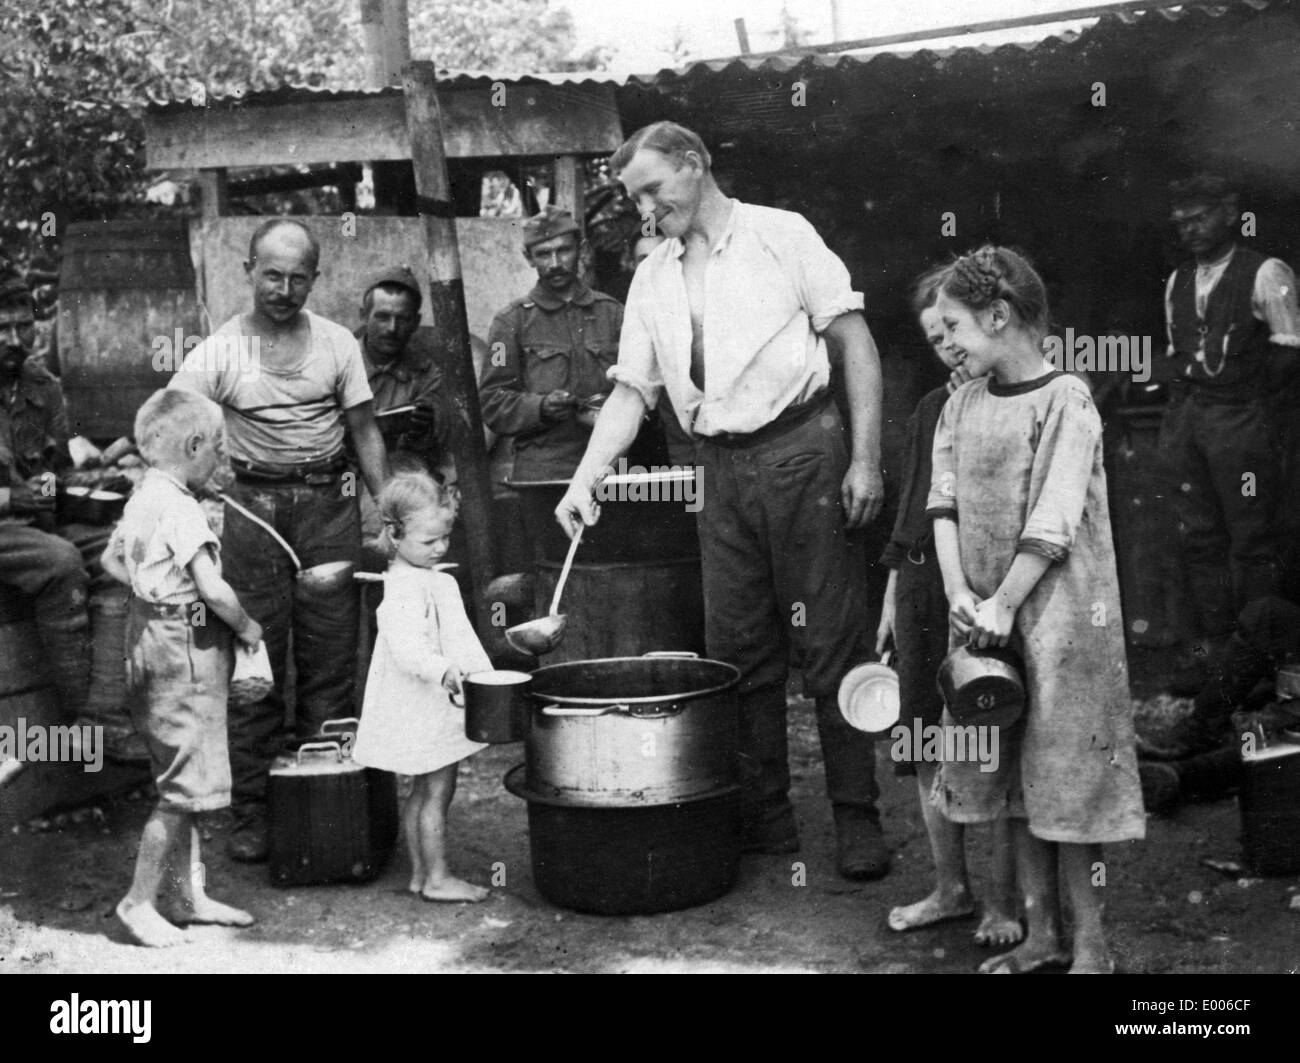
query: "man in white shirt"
1233, 327
732, 317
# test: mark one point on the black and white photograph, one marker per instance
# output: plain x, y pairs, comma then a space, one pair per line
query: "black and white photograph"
608, 487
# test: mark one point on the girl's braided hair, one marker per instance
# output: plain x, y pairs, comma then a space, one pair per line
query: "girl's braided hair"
980, 278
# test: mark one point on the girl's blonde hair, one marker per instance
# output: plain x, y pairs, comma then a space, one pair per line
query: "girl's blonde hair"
406, 494
167, 418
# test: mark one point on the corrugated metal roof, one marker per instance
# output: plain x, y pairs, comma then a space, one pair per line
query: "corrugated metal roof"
821, 57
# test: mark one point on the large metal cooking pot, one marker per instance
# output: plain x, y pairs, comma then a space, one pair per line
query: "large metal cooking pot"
632, 731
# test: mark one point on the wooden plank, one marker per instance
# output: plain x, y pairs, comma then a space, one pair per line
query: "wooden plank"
213, 193
528, 120
447, 308
569, 187
1042, 18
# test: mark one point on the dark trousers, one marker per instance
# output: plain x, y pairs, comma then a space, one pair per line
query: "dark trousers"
322, 524
782, 575
1226, 518
49, 569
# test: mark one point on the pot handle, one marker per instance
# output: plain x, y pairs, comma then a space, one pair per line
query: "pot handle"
672, 653
341, 723
453, 697
564, 710
334, 747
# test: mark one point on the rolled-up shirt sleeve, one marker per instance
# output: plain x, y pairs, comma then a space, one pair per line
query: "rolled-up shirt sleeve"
637, 366
825, 287
1274, 299
942, 499
1063, 465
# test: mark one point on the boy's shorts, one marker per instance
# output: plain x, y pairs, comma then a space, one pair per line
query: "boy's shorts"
178, 676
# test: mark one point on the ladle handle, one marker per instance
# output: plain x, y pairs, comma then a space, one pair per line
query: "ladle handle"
297, 565
564, 572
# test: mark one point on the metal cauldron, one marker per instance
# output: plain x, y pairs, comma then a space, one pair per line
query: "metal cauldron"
632, 731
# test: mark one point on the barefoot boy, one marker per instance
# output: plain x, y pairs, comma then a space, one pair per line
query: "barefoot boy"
178, 649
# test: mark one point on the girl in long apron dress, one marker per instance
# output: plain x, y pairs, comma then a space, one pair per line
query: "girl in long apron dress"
1022, 532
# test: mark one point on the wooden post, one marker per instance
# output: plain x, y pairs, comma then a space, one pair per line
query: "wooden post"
372, 42
569, 192
742, 36
212, 192
396, 40
447, 309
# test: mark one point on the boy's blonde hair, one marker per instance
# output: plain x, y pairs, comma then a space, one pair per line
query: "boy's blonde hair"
406, 494
169, 417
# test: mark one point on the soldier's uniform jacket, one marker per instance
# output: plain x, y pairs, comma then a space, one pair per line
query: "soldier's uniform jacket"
33, 438
539, 344
414, 379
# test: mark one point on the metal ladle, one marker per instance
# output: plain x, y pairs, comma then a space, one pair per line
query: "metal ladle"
317, 577
544, 634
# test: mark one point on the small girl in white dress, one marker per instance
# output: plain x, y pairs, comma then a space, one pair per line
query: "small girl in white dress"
425, 644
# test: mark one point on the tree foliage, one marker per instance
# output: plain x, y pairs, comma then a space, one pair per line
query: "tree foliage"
76, 75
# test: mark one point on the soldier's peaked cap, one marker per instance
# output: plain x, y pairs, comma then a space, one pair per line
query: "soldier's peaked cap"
401, 276
547, 225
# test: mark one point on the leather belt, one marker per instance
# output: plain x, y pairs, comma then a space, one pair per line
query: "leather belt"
786, 421
314, 473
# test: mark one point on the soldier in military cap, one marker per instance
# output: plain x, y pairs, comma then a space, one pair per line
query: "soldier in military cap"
401, 359
549, 353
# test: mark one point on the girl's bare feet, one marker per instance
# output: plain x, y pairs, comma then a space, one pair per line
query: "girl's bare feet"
204, 910
998, 928
1031, 956
146, 927
450, 888
939, 907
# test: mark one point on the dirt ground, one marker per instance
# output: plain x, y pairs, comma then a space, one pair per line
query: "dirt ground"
1169, 913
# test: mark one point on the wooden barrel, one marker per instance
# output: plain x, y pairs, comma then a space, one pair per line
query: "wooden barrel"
124, 288
624, 609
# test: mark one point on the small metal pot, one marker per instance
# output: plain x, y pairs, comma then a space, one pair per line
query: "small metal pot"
496, 705
983, 687
629, 731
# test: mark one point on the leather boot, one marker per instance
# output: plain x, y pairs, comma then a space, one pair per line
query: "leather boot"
860, 848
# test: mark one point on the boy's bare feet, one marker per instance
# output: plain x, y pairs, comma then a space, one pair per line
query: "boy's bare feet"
1031, 956
146, 927
939, 907
454, 890
204, 910
997, 928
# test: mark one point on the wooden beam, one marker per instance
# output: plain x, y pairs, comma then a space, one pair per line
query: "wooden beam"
742, 36
447, 309
1043, 18
213, 192
569, 191
372, 42
535, 120
396, 40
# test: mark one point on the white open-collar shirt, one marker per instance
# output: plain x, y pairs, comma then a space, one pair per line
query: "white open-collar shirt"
771, 287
